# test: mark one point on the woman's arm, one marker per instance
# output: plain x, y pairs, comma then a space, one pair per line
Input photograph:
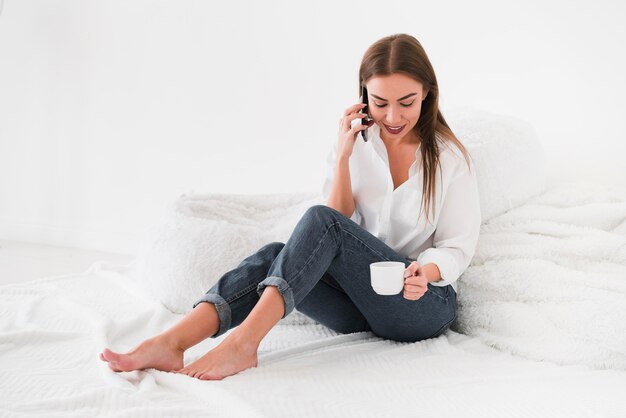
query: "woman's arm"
456, 236
340, 197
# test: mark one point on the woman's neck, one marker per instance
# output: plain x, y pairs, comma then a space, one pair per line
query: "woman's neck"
407, 141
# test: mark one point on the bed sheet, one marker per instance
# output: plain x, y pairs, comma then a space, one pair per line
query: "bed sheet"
52, 329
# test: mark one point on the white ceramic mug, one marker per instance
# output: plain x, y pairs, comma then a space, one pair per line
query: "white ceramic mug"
387, 277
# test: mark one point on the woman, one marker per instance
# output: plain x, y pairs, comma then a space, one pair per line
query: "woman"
375, 192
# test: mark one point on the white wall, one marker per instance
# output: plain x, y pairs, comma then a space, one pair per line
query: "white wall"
109, 110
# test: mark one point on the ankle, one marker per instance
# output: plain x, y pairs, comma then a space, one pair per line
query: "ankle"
170, 341
243, 342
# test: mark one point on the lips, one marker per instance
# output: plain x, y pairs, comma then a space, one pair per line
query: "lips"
394, 130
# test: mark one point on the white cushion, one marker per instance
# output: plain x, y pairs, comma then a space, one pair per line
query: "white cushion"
205, 235
508, 156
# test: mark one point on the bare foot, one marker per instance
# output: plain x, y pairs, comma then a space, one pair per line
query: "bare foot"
155, 352
226, 359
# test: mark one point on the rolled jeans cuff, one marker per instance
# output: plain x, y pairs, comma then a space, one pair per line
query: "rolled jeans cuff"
283, 288
223, 311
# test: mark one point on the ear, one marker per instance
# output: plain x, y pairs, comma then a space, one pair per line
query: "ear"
424, 93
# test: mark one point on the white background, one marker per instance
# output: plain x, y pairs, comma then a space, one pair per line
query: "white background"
109, 110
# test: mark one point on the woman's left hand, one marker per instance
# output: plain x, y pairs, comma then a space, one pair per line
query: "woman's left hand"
415, 282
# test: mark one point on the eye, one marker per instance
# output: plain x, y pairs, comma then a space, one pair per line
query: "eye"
401, 104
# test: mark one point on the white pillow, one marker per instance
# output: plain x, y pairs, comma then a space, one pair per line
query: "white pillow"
508, 156
204, 236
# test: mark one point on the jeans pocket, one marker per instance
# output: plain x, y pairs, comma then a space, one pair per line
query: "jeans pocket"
440, 292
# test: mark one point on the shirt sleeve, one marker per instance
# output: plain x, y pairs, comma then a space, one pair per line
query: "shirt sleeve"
456, 234
331, 160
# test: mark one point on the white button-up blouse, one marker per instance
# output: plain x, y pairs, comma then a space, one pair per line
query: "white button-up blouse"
393, 215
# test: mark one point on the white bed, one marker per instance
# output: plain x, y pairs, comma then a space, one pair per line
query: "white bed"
51, 332
540, 330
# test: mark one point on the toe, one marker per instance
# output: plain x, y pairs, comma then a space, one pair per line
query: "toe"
210, 376
121, 362
102, 357
110, 355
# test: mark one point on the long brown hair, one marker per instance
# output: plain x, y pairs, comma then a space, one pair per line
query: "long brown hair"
402, 53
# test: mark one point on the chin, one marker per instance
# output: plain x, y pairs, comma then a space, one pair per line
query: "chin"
408, 130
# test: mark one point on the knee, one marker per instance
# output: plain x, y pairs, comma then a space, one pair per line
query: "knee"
272, 249
317, 209
318, 213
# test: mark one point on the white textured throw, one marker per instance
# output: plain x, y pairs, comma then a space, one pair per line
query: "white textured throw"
548, 280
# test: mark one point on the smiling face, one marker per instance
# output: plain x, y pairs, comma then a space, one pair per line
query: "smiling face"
395, 103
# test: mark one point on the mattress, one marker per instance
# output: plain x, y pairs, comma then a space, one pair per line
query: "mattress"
52, 330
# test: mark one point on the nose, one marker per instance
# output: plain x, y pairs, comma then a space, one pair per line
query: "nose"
393, 117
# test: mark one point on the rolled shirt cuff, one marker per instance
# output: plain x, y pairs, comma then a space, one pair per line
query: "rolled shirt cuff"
446, 263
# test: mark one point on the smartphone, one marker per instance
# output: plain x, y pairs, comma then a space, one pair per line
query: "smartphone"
368, 119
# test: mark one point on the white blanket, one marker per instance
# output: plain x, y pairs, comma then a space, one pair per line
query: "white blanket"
548, 279
52, 330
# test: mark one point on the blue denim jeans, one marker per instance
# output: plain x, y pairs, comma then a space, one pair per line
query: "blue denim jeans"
324, 271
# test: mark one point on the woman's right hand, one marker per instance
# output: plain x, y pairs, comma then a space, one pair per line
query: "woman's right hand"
347, 134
